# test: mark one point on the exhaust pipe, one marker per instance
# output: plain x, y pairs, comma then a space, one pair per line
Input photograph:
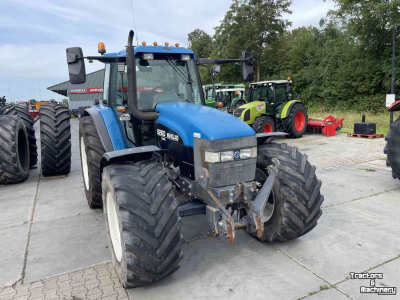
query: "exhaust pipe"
132, 94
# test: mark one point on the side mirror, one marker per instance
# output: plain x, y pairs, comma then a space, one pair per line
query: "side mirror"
76, 65
289, 92
289, 89
247, 66
217, 69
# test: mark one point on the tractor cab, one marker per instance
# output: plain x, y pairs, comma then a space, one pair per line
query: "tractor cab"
163, 74
271, 108
230, 98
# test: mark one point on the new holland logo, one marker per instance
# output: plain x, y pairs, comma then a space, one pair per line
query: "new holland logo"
237, 154
170, 136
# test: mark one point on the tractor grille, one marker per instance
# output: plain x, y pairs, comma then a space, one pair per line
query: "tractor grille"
238, 112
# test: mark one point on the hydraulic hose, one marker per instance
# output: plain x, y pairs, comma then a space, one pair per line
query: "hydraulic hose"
132, 94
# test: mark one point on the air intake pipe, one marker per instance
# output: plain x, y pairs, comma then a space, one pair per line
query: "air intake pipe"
132, 94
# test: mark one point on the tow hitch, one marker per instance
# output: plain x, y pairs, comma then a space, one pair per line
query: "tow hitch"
221, 221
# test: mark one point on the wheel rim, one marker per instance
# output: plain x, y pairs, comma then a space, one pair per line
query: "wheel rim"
270, 205
85, 168
299, 121
268, 128
113, 225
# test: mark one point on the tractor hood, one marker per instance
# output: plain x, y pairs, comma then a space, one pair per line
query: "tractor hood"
187, 119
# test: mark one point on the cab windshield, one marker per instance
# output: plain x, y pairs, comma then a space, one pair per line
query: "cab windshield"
158, 80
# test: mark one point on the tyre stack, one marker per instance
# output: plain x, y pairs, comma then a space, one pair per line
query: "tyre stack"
55, 139
14, 150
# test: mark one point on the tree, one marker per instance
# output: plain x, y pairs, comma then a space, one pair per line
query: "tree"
200, 42
253, 25
65, 101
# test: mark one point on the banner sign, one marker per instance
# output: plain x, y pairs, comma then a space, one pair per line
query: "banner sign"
86, 91
94, 90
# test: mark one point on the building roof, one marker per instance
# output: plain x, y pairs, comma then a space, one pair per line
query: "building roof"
94, 79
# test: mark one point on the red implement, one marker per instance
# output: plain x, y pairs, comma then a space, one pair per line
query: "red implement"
327, 126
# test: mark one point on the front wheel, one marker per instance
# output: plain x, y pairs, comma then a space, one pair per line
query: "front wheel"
296, 123
143, 223
264, 124
294, 207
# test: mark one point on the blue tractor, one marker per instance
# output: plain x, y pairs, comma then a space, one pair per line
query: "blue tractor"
151, 146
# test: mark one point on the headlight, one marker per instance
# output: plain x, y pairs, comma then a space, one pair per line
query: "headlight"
248, 153
254, 152
245, 153
226, 156
147, 56
185, 57
212, 157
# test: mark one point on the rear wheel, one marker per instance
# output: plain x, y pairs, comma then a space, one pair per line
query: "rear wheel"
392, 148
296, 122
91, 150
23, 113
238, 104
143, 223
55, 138
14, 150
264, 124
295, 201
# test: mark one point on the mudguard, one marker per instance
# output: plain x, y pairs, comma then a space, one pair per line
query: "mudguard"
262, 137
131, 154
250, 111
288, 106
394, 107
107, 127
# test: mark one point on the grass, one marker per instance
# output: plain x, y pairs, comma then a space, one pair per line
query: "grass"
350, 117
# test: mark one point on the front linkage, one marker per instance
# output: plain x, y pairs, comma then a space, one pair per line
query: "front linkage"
221, 221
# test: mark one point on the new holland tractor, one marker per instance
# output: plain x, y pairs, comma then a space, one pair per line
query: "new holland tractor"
270, 108
392, 148
147, 152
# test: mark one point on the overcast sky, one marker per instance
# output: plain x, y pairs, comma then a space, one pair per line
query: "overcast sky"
35, 33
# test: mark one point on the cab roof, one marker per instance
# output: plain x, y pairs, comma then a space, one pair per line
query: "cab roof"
152, 49
272, 81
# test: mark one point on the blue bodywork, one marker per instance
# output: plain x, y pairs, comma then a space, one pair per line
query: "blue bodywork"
153, 49
212, 124
112, 125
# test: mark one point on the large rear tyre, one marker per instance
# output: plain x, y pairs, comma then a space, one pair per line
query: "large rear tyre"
14, 150
23, 113
296, 123
295, 200
392, 148
264, 124
55, 138
91, 150
143, 223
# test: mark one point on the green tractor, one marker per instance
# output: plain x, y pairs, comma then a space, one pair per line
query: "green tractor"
271, 108
226, 97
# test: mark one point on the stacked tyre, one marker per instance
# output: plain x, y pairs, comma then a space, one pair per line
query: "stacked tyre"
55, 139
14, 150
23, 113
